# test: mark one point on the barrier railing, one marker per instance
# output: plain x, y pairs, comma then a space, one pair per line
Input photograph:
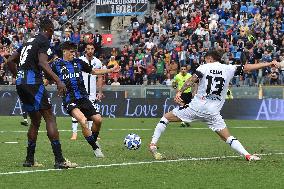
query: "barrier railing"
160, 91
79, 13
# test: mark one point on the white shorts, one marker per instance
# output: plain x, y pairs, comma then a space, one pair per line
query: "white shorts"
215, 122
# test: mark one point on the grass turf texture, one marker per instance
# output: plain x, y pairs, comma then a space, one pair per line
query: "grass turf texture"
175, 143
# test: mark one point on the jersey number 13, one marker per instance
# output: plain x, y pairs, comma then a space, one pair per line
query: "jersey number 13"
215, 85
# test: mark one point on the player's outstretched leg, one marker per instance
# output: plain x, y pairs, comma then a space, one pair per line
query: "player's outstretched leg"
76, 113
90, 124
74, 129
96, 127
236, 145
32, 138
53, 135
160, 128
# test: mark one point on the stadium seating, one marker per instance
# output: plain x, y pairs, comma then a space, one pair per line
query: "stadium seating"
183, 23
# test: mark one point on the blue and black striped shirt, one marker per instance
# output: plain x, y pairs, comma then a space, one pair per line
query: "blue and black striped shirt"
29, 71
70, 72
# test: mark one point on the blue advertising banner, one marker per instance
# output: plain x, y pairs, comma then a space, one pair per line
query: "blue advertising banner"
120, 7
245, 109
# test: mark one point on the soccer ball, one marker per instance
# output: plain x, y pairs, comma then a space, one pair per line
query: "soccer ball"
132, 141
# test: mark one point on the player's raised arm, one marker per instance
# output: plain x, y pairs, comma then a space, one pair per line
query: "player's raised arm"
104, 71
100, 87
251, 67
12, 65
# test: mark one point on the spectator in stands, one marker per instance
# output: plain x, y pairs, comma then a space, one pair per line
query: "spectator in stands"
139, 73
151, 72
2, 58
140, 54
170, 46
172, 68
148, 58
114, 52
67, 35
63, 18
224, 24
98, 39
135, 37
226, 4
182, 55
122, 62
127, 79
112, 62
3, 79
149, 44
115, 82
82, 44
129, 72
75, 37
160, 70
274, 76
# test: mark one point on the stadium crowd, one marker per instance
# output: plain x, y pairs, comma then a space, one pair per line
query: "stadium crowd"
19, 21
177, 32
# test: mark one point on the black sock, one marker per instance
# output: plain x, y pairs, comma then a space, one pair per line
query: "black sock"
92, 142
31, 151
56, 147
95, 135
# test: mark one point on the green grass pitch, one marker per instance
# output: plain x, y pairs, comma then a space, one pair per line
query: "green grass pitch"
123, 168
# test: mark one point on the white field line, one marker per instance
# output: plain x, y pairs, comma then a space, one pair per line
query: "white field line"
137, 129
131, 129
136, 163
186, 128
11, 142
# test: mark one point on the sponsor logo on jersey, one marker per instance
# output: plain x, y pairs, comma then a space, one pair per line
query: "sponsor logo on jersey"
71, 75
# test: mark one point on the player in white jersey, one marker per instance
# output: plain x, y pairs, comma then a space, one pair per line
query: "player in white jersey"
90, 84
214, 79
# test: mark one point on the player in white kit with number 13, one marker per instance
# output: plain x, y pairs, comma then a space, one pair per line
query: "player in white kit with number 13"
90, 84
214, 79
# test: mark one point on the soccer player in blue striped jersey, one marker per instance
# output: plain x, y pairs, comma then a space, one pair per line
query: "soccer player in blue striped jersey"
33, 61
76, 100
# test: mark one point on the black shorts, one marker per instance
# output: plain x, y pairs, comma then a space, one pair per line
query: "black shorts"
86, 106
186, 97
34, 97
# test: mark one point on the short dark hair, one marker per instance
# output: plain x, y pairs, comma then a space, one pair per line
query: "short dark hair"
45, 24
91, 44
215, 54
68, 45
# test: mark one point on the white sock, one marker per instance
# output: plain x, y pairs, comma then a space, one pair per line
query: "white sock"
90, 124
74, 125
25, 120
236, 145
160, 128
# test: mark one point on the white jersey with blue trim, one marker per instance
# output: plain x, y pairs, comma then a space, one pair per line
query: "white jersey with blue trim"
89, 79
213, 86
